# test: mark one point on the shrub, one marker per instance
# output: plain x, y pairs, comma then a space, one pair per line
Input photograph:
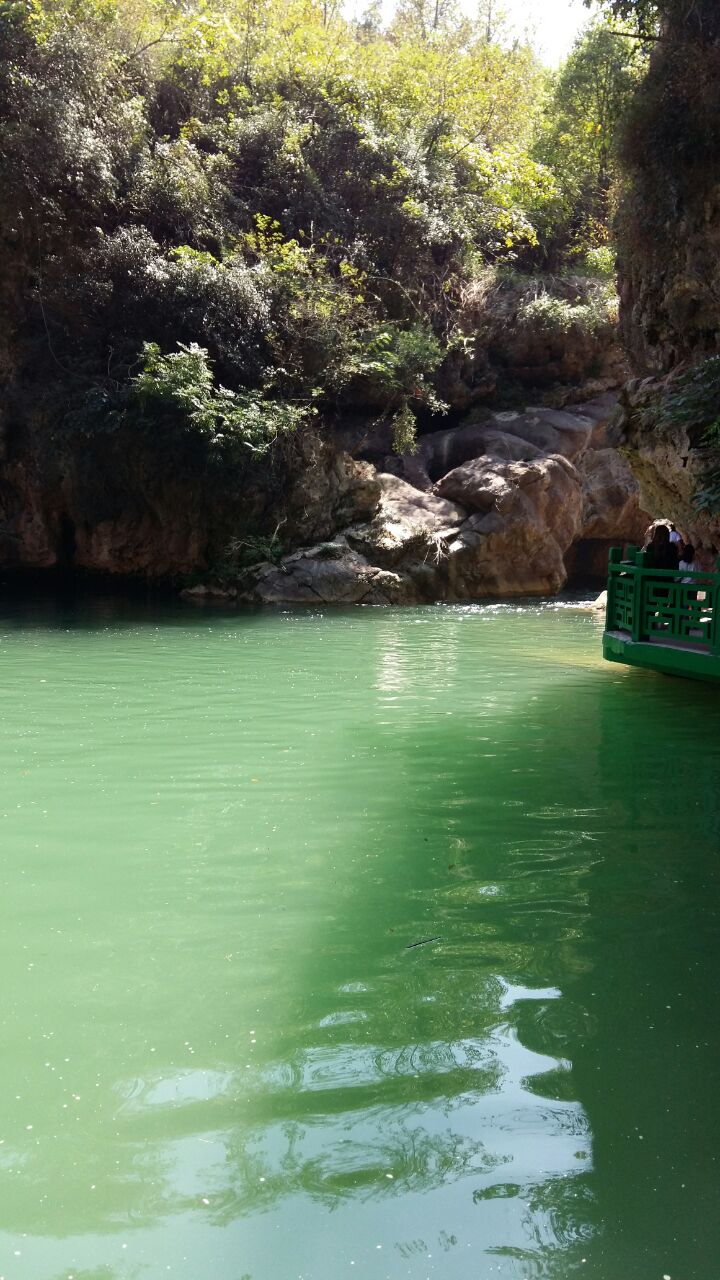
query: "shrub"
180, 387
400, 364
600, 262
558, 317
404, 432
549, 315
129, 290
178, 192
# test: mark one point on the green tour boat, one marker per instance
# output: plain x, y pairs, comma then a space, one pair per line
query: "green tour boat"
660, 619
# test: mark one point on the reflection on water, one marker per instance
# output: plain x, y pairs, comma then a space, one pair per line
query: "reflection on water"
380, 944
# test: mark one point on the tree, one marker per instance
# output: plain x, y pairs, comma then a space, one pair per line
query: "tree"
492, 20
420, 19
654, 19
590, 97
643, 15
257, 179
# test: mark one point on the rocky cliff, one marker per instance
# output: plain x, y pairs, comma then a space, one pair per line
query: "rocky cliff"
123, 504
492, 505
670, 262
670, 216
509, 505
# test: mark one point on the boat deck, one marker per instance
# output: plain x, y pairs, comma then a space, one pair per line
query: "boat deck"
668, 642
662, 622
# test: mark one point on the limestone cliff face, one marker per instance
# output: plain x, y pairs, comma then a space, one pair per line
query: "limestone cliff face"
505, 504
131, 507
670, 258
670, 219
667, 459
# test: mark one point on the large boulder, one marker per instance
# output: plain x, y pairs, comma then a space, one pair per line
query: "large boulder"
550, 430
331, 573
611, 498
510, 520
528, 514
409, 525
402, 503
483, 484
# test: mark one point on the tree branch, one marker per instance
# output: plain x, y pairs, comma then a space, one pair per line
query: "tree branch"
632, 35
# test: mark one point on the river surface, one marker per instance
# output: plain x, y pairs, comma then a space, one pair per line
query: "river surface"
372, 944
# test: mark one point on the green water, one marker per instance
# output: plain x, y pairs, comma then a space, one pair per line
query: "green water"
223, 1057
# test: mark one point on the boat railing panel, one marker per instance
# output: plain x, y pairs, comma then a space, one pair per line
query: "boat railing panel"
663, 605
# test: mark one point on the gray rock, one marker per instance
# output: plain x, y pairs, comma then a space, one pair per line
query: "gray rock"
409, 523
611, 498
550, 430
512, 519
400, 501
311, 578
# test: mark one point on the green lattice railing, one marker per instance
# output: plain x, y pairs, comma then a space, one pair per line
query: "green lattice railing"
656, 604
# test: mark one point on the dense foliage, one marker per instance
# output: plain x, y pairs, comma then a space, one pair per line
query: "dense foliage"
590, 99
670, 152
665, 19
641, 14
231, 212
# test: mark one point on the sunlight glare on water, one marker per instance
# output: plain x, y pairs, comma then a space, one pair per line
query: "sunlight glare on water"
367, 943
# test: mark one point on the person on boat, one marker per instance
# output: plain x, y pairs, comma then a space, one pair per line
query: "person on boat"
661, 552
658, 533
688, 564
705, 563
674, 535
690, 567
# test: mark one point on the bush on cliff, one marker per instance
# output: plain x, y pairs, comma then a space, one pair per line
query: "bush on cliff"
270, 182
558, 317
578, 142
180, 387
